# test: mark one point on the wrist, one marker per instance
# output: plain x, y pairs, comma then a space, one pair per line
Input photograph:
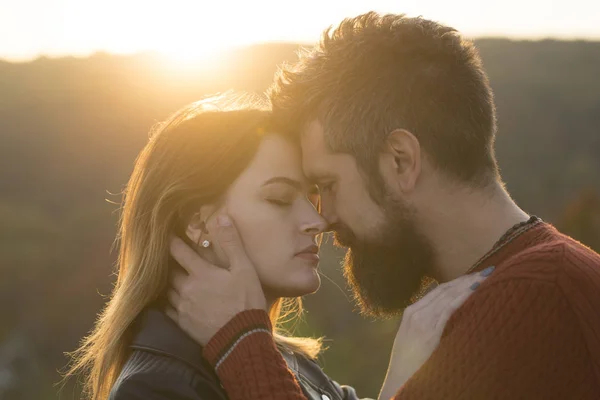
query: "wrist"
239, 328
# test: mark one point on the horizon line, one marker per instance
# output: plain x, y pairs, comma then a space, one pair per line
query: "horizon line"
233, 47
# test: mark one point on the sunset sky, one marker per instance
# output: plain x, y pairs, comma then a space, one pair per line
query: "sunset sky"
191, 29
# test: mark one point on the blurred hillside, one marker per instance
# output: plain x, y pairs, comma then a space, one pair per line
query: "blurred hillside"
71, 128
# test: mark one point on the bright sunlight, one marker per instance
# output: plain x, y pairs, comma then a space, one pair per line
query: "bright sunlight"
201, 30
190, 31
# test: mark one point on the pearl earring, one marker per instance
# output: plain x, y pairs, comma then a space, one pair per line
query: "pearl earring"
205, 243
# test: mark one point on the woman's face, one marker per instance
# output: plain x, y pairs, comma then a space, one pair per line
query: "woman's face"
270, 204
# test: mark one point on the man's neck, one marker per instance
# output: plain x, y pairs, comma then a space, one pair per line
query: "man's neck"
467, 227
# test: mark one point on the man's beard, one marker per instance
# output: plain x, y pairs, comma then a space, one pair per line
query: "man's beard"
387, 270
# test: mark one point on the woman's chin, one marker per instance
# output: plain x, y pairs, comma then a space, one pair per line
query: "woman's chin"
299, 284
313, 284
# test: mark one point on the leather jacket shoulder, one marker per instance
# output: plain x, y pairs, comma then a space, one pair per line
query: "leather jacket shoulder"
165, 363
314, 382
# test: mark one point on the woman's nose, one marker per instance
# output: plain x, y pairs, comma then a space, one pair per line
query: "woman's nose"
316, 225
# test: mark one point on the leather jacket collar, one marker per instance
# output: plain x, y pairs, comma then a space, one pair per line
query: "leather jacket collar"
155, 332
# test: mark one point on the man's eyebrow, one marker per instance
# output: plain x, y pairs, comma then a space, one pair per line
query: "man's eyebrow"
285, 180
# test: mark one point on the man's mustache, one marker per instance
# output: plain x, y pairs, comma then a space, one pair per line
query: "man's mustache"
344, 237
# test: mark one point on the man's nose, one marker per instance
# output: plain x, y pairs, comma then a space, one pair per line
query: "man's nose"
328, 212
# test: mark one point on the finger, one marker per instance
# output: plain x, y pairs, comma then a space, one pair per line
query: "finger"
174, 299
468, 283
450, 289
230, 242
437, 312
177, 279
449, 310
171, 313
435, 294
461, 287
187, 257
453, 297
430, 296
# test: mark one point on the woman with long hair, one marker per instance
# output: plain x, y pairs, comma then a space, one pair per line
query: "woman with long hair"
219, 152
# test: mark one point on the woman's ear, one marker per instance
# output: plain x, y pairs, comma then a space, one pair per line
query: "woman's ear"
197, 230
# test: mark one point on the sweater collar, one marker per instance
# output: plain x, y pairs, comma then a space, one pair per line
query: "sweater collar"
541, 233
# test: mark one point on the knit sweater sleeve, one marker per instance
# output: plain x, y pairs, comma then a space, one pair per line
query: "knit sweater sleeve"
247, 361
514, 338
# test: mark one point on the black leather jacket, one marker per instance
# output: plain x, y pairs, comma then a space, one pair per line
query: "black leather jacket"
165, 363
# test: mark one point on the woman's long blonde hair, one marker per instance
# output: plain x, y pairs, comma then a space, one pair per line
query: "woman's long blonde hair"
190, 160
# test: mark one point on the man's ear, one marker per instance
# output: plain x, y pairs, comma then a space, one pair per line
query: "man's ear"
401, 160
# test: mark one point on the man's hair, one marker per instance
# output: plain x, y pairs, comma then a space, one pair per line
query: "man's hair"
377, 73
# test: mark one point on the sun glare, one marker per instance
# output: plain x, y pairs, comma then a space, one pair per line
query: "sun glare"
193, 55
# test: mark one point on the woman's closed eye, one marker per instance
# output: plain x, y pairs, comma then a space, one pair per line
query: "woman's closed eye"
281, 197
280, 202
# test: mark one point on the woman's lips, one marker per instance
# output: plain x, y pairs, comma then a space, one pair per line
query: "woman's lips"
311, 257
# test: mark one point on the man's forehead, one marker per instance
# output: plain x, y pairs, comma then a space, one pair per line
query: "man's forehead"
316, 157
312, 138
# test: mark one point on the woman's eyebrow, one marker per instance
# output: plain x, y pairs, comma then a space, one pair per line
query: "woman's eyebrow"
285, 180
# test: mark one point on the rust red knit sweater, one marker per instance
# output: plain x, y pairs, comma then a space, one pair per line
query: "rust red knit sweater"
531, 331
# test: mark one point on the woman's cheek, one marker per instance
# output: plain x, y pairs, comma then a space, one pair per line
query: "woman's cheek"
259, 227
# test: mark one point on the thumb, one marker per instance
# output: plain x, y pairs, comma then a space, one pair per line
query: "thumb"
230, 242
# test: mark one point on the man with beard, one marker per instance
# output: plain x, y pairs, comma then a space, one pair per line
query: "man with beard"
396, 120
